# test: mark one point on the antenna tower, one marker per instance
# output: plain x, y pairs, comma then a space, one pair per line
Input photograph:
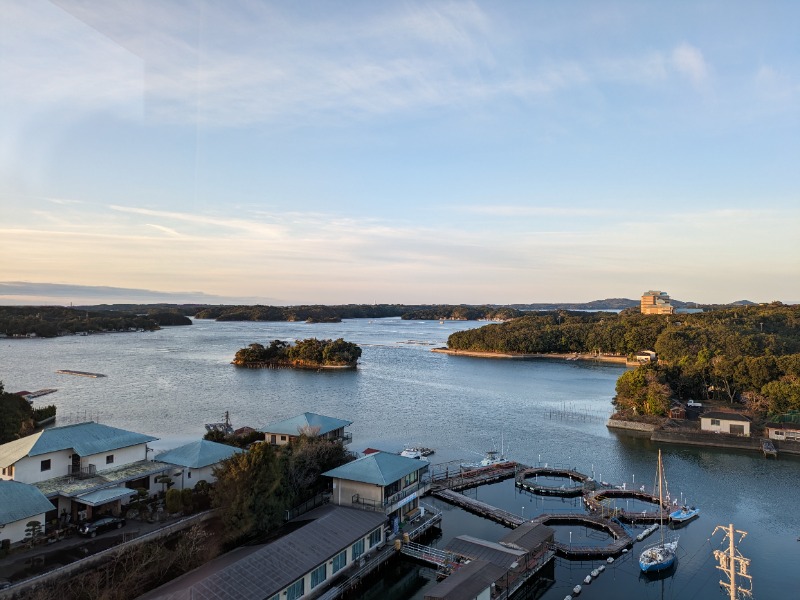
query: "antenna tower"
733, 564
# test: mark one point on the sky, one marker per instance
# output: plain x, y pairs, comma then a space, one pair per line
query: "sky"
398, 152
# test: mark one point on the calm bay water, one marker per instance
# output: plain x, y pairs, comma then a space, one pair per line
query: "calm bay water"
169, 383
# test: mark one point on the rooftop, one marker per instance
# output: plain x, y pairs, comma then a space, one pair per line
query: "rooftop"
84, 438
467, 582
379, 468
70, 486
295, 425
196, 455
266, 570
478, 549
728, 416
19, 501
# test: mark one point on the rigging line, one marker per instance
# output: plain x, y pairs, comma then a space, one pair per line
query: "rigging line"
699, 589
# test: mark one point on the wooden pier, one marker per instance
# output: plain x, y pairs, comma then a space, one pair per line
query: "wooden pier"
596, 502
553, 490
483, 509
573, 551
460, 479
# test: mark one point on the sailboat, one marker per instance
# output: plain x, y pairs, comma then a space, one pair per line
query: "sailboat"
662, 555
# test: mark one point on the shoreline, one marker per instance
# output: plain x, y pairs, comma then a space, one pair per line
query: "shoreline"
559, 356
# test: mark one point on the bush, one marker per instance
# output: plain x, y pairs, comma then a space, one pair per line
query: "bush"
186, 501
174, 503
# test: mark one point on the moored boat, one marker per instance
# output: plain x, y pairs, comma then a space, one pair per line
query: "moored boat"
684, 513
660, 556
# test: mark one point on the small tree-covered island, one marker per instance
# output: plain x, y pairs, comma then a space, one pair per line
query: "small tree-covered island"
310, 353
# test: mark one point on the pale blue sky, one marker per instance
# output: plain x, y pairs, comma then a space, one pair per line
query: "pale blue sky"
412, 152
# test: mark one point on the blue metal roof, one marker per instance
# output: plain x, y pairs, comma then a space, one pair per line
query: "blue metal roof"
201, 453
19, 501
86, 439
380, 468
99, 497
295, 424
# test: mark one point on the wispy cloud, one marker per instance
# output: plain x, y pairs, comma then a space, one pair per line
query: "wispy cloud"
689, 61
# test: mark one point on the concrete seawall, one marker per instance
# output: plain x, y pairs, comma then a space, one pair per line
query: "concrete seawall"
698, 438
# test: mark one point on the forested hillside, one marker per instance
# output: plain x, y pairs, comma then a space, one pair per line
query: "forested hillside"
747, 354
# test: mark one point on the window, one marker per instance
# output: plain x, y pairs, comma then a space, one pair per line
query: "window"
715, 422
283, 438
297, 589
318, 575
4, 470
110, 459
375, 537
189, 475
358, 548
46, 465
411, 478
737, 429
339, 562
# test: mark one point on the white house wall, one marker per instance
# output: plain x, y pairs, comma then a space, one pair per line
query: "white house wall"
29, 468
16, 531
122, 456
189, 478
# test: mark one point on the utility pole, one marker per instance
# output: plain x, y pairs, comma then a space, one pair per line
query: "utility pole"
733, 564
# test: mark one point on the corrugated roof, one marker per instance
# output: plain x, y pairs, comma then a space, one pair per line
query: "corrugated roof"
268, 570
295, 424
107, 495
19, 501
196, 455
528, 537
379, 468
714, 414
467, 582
84, 438
478, 549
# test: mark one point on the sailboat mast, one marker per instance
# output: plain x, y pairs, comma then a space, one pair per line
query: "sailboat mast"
660, 497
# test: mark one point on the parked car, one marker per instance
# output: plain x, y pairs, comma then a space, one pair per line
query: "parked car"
694, 403
100, 525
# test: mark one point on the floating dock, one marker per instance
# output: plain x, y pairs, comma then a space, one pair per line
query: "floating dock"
79, 373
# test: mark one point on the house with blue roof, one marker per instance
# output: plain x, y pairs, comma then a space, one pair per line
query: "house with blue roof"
196, 461
20, 504
383, 482
84, 468
279, 433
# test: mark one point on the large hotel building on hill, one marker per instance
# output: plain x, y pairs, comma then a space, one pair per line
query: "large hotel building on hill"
655, 302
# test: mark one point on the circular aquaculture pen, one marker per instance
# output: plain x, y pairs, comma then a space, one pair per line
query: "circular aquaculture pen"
546, 481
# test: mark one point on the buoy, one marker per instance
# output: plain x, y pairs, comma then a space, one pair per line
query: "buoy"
624, 550
587, 580
576, 590
567, 597
595, 573
610, 559
602, 568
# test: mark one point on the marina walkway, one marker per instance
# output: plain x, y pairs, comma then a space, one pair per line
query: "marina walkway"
483, 509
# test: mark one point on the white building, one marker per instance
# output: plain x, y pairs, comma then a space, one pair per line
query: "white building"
84, 469
195, 462
20, 504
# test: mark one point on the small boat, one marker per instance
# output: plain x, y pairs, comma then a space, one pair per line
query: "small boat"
413, 453
493, 458
684, 513
662, 555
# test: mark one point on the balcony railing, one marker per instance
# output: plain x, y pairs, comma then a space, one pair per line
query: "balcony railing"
82, 472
